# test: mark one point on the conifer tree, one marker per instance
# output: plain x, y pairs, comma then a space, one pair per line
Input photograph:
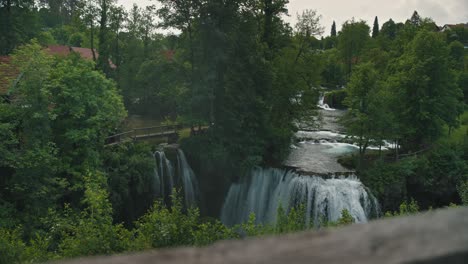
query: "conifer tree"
375, 29
333, 30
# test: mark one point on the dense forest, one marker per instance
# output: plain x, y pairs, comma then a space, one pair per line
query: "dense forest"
246, 78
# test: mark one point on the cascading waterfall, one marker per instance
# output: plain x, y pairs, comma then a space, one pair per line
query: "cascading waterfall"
164, 174
266, 189
166, 177
321, 103
189, 180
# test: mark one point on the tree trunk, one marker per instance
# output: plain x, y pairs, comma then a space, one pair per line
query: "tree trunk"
92, 41
397, 146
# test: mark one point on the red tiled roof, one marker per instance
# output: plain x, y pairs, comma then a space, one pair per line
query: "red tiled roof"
8, 72
66, 50
85, 53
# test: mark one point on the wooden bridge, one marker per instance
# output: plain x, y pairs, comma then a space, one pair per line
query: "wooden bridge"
170, 132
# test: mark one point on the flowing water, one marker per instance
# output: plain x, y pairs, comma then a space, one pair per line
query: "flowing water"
315, 154
166, 178
189, 181
266, 189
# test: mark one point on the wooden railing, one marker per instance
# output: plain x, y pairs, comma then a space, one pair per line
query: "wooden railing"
170, 131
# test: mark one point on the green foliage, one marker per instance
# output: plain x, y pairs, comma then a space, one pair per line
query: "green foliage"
333, 29
333, 74
46, 38
20, 23
335, 99
406, 208
76, 40
292, 221
375, 28
212, 231
94, 232
11, 246
428, 96
167, 227
130, 172
352, 39
388, 181
345, 218
463, 191
431, 178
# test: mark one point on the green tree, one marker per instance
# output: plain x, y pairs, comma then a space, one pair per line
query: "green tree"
389, 29
333, 30
130, 173
55, 129
415, 19
94, 232
360, 120
19, 24
352, 40
427, 91
375, 29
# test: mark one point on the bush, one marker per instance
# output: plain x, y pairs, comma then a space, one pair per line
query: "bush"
388, 181
130, 171
11, 246
431, 178
335, 99
463, 192
406, 208
94, 232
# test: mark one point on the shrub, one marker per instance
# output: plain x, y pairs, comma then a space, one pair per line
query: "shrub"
335, 98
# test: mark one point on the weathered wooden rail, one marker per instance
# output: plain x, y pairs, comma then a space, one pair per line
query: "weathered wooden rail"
433, 237
171, 132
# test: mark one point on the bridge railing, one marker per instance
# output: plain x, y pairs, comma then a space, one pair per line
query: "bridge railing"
144, 132
156, 130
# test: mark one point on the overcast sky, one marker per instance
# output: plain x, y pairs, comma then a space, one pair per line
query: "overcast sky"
441, 11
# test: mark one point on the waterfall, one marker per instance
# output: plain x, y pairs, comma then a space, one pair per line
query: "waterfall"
166, 178
189, 180
266, 189
321, 103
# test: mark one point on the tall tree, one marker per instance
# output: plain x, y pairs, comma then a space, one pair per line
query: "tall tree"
375, 29
181, 14
272, 10
90, 15
307, 26
352, 40
389, 29
415, 19
333, 30
116, 24
104, 38
360, 120
18, 23
428, 95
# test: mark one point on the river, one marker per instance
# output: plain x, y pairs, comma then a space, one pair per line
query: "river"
317, 180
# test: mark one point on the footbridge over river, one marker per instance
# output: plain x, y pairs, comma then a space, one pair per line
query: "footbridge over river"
170, 132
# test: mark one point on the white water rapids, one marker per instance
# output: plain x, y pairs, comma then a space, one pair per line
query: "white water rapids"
263, 190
